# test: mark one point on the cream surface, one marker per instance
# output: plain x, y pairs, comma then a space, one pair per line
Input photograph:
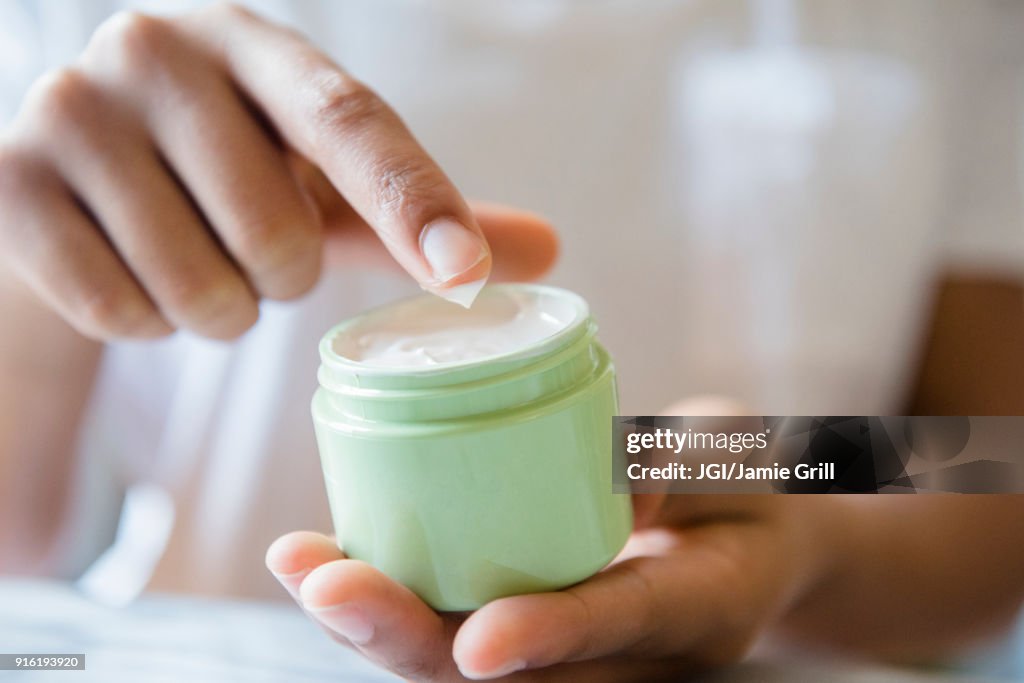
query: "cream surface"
428, 331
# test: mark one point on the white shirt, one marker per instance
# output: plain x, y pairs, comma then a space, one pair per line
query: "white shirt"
754, 198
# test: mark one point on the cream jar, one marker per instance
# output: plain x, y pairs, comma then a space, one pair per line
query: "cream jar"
467, 453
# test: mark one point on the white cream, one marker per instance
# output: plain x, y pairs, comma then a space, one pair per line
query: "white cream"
427, 331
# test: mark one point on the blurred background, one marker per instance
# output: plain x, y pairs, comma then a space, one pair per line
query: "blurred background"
781, 172
757, 197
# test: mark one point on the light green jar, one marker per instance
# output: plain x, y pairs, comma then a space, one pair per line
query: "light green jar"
474, 480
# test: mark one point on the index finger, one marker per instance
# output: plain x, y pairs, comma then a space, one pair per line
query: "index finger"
362, 146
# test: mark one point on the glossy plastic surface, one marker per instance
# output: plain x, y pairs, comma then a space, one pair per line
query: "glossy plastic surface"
492, 484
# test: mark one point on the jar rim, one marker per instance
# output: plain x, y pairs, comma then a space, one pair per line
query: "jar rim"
575, 327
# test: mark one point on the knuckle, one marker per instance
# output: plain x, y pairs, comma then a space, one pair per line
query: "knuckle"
340, 104
406, 187
231, 11
135, 40
61, 96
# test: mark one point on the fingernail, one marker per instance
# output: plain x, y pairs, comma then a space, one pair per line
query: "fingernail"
450, 248
504, 669
347, 621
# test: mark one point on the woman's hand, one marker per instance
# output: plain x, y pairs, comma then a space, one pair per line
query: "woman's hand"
184, 168
700, 578
692, 590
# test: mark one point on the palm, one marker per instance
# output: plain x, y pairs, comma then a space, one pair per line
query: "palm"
691, 589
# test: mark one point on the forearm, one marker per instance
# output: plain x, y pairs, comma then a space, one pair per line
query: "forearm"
912, 576
47, 370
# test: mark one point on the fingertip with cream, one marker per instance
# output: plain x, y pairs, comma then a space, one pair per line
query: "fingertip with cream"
459, 260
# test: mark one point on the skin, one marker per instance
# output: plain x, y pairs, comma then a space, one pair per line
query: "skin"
183, 169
